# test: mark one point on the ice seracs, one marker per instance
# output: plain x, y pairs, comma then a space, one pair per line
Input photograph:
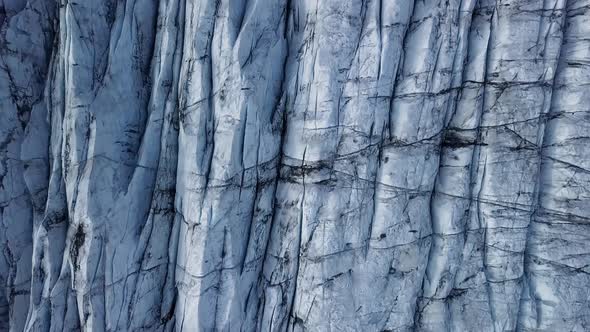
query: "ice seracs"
281, 165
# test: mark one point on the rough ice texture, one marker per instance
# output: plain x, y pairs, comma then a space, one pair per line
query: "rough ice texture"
295, 165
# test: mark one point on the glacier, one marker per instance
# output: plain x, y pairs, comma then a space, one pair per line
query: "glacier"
294, 165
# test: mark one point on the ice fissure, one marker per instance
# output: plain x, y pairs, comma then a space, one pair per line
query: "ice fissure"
294, 165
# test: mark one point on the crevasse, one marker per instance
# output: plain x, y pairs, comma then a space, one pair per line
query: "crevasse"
294, 165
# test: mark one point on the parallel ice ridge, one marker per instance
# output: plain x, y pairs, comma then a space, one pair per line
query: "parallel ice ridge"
295, 165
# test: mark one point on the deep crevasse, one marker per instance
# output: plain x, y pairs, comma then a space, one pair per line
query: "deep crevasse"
378, 165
